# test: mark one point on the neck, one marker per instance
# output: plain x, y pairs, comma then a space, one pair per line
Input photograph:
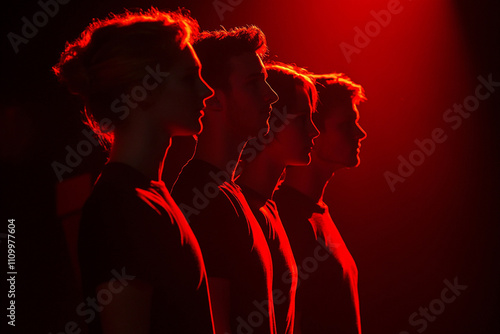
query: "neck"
262, 174
220, 146
310, 180
141, 148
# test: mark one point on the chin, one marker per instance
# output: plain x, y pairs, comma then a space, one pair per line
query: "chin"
301, 161
194, 129
347, 163
199, 128
354, 163
265, 126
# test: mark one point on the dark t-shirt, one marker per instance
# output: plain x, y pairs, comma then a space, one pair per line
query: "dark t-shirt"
233, 245
327, 295
132, 229
284, 266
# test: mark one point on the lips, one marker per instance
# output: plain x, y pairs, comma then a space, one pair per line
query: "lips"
200, 111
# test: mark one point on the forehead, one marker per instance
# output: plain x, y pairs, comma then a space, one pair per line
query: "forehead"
246, 65
342, 110
188, 57
303, 100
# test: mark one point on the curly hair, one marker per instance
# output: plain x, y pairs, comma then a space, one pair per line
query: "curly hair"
332, 88
112, 55
216, 48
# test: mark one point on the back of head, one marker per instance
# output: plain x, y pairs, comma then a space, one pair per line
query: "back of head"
113, 55
285, 79
334, 89
216, 48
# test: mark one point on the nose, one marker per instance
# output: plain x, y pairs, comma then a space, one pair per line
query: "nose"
271, 95
360, 132
205, 90
313, 130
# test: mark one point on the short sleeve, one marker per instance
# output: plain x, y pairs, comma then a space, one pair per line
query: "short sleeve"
221, 237
117, 234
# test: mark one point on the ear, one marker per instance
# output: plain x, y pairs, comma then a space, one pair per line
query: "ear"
217, 102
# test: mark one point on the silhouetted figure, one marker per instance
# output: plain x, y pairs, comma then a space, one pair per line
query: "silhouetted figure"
327, 296
236, 254
180, 152
142, 267
289, 142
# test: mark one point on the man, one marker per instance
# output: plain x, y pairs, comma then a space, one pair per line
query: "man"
327, 297
290, 143
237, 258
132, 236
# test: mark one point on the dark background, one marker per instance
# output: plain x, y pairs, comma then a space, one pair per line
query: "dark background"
440, 224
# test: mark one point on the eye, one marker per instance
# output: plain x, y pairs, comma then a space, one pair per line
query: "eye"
190, 77
254, 80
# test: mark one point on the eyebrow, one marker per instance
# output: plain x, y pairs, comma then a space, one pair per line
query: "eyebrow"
193, 68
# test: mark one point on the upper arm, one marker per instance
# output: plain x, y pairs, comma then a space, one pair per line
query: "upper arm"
220, 297
128, 310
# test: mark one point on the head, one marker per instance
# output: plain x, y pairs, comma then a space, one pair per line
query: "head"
137, 65
337, 119
232, 66
292, 130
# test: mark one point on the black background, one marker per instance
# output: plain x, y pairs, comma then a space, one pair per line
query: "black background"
440, 224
